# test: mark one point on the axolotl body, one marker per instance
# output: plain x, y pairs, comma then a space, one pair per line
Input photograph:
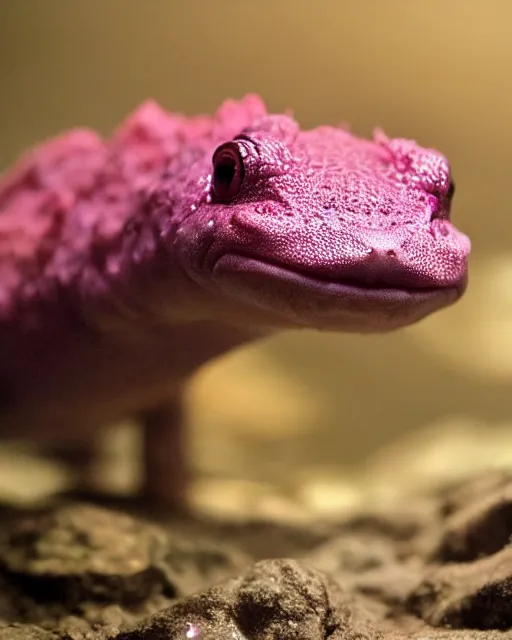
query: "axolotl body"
128, 263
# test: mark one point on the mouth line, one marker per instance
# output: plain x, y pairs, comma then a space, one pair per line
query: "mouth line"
336, 286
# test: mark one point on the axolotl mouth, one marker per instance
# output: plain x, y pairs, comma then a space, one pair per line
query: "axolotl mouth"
305, 298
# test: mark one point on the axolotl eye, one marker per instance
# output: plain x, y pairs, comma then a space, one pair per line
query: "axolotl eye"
228, 172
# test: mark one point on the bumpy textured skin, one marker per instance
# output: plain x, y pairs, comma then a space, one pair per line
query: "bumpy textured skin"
121, 272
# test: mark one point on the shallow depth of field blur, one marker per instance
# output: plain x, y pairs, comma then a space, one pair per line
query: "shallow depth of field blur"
300, 417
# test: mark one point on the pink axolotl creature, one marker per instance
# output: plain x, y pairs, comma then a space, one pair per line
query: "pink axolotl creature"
126, 264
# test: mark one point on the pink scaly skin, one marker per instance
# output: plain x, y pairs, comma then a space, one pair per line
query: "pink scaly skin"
126, 264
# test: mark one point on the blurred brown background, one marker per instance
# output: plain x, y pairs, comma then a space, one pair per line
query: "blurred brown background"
306, 411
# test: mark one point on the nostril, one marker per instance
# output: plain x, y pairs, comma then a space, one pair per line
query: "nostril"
443, 202
391, 253
440, 213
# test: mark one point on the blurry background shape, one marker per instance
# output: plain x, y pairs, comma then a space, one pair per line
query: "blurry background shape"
476, 336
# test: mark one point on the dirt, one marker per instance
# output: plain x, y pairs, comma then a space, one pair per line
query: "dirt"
436, 567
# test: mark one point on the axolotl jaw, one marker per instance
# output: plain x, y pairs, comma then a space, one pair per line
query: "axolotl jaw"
321, 228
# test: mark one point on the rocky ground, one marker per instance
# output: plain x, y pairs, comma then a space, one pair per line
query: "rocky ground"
437, 566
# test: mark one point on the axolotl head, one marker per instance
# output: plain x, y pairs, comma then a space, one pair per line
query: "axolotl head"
322, 229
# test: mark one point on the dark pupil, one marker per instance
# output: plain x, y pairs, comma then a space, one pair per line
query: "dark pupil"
224, 172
